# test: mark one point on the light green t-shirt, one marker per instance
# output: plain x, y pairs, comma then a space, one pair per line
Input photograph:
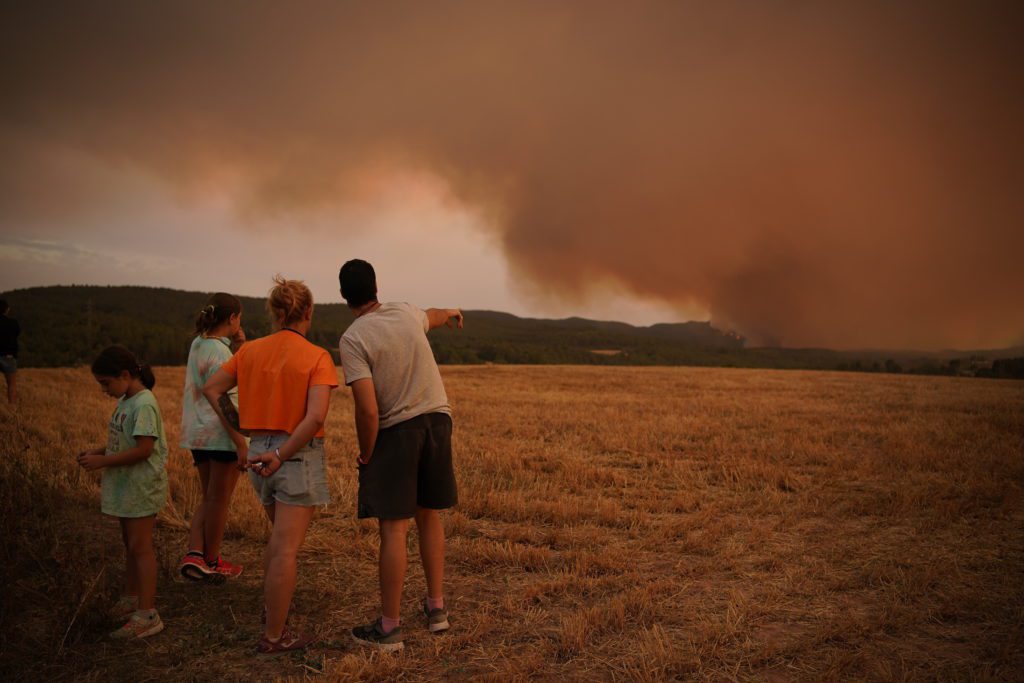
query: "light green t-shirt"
201, 429
135, 490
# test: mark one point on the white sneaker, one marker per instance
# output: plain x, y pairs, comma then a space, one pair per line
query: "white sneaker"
139, 626
125, 606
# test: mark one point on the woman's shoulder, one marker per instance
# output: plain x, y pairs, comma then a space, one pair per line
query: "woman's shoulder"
255, 350
308, 351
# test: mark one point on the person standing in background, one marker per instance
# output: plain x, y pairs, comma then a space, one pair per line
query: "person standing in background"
9, 331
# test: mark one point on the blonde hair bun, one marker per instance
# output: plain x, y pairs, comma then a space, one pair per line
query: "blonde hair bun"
289, 300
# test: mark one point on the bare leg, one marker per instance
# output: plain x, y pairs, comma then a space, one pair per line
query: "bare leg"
12, 386
431, 531
131, 579
195, 530
393, 533
290, 525
220, 486
140, 549
269, 509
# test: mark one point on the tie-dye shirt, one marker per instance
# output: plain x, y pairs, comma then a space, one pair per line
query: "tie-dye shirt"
201, 429
137, 490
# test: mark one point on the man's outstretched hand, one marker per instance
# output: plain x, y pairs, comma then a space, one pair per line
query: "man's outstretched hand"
454, 316
450, 317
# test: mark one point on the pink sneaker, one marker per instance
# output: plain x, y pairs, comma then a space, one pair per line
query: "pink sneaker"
225, 568
194, 567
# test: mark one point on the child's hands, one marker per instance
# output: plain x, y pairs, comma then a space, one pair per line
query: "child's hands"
90, 461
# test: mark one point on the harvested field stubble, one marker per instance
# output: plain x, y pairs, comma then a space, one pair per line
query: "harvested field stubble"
615, 523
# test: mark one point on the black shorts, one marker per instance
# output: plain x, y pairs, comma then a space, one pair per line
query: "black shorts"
411, 468
199, 456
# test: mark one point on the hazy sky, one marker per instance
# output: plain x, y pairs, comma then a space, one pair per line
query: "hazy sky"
839, 174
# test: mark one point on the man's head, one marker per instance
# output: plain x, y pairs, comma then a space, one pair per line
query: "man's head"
358, 283
4, 308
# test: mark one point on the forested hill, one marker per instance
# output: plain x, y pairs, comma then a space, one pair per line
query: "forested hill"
69, 325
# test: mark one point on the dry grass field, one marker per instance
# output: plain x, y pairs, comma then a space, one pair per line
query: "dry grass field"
614, 524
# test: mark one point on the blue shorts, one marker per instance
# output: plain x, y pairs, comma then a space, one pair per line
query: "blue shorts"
8, 365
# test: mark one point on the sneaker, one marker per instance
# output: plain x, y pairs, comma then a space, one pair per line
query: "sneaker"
225, 569
124, 607
139, 626
194, 567
289, 642
437, 618
373, 635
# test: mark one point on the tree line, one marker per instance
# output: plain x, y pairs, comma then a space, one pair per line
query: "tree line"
69, 325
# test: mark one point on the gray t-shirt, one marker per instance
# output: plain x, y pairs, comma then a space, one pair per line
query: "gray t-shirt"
390, 347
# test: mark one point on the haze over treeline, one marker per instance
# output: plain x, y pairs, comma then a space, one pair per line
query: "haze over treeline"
839, 174
69, 326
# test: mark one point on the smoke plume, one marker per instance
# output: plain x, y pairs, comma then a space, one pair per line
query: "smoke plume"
835, 174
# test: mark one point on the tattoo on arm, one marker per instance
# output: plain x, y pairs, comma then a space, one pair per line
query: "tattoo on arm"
230, 414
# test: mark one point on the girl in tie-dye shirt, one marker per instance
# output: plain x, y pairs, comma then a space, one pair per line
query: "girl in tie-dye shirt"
218, 451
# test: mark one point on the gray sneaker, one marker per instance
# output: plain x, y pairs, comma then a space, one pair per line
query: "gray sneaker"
372, 634
437, 618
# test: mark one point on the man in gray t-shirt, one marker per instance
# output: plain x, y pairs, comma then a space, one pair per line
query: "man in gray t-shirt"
391, 339
404, 427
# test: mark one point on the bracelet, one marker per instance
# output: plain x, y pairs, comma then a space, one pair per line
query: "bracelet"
277, 454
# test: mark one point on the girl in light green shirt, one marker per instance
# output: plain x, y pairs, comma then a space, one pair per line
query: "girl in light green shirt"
134, 485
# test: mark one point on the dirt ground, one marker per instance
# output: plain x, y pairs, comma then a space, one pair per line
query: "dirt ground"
614, 524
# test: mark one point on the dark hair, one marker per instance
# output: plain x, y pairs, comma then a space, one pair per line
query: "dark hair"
358, 283
219, 307
4, 307
116, 359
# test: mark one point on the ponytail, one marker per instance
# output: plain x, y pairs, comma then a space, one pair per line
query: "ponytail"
116, 359
146, 375
218, 309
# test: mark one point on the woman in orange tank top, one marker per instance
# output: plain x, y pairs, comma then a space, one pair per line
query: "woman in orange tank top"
284, 389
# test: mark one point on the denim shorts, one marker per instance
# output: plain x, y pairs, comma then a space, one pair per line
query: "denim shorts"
301, 479
8, 365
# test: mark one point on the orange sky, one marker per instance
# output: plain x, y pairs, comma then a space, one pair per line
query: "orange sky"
833, 174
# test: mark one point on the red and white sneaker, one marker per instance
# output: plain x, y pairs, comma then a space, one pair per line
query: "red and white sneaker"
225, 568
194, 568
288, 642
